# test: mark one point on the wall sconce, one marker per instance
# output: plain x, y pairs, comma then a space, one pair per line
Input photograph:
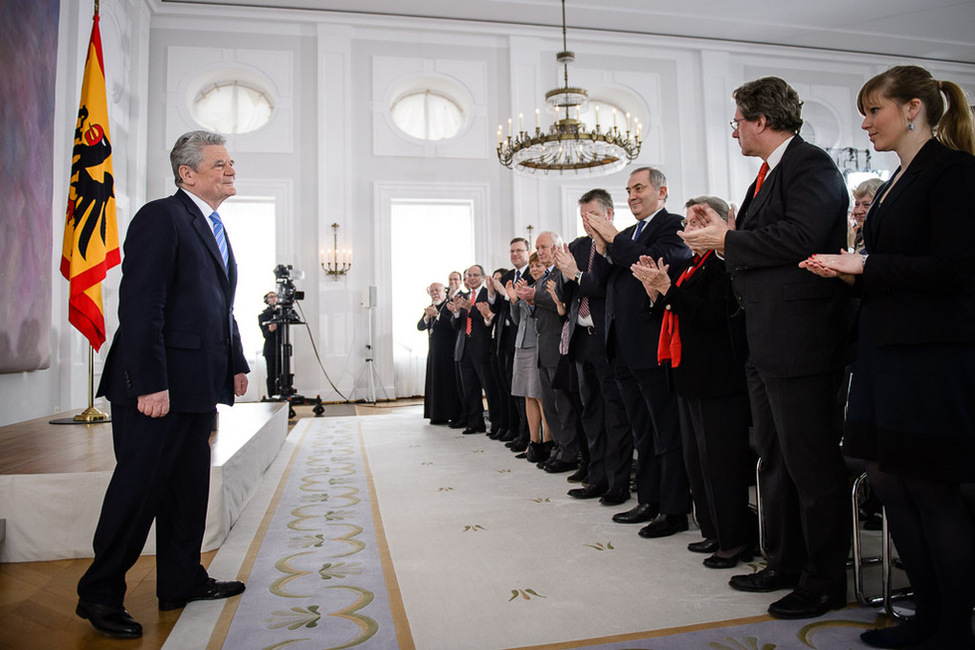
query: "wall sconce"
530, 228
336, 263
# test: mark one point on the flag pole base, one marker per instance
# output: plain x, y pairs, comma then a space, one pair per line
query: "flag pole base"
91, 414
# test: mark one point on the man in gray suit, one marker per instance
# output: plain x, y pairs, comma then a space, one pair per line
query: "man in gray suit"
797, 327
560, 414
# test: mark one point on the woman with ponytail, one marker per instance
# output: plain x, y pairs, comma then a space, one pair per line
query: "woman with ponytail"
911, 412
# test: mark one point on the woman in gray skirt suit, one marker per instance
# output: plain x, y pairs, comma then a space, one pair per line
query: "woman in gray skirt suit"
525, 381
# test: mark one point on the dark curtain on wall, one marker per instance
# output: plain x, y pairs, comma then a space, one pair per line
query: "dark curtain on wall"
28, 66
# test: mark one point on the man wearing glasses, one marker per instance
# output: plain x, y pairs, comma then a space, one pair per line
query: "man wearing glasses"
797, 331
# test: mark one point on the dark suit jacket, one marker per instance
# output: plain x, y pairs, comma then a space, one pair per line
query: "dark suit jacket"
592, 286
176, 312
919, 281
478, 344
505, 329
627, 305
797, 322
271, 338
712, 332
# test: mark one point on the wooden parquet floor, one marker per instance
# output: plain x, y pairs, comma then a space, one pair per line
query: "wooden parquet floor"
37, 599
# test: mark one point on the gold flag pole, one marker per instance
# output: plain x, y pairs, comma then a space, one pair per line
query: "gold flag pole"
91, 414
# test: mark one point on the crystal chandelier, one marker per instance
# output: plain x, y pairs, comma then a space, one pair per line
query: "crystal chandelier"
568, 147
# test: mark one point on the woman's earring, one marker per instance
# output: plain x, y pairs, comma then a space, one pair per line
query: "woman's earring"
910, 126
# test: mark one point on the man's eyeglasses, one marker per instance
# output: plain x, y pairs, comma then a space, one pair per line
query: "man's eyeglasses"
735, 124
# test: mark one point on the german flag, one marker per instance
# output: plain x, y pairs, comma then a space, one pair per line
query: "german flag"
90, 228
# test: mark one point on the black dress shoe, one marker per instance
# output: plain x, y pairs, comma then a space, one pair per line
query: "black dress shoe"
494, 434
112, 620
588, 492
509, 436
664, 526
438, 422
764, 580
212, 589
802, 603
641, 513
704, 546
556, 466
522, 455
457, 424
615, 497
580, 476
517, 446
470, 430
718, 562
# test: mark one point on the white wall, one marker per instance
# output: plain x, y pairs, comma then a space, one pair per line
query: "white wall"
332, 146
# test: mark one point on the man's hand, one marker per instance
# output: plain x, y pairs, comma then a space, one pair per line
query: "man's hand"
510, 290
272, 326
710, 230
600, 226
525, 292
240, 384
154, 405
566, 262
485, 310
497, 284
430, 311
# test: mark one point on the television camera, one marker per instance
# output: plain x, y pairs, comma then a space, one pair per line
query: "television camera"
284, 316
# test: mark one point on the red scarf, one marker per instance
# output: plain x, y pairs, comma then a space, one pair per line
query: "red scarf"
668, 348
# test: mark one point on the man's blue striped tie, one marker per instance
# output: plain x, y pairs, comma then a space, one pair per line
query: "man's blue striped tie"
221, 238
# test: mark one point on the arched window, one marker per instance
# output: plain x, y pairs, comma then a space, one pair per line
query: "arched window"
427, 115
232, 107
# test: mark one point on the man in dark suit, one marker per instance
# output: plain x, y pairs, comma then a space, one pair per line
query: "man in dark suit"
797, 327
455, 288
272, 342
505, 331
176, 354
632, 335
473, 325
604, 421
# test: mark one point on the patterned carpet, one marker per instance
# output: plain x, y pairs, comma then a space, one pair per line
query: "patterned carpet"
488, 552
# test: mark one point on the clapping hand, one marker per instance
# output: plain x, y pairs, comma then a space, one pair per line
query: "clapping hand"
600, 228
653, 275
430, 311
566, 262
550, 289
485, 309
843, 266
525, 292
510, 290
706, 229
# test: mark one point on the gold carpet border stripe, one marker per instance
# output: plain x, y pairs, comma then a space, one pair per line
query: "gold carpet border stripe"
397, 610
219, 634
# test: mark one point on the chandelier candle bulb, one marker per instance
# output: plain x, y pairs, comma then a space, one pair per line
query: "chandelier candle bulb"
614, 118
538, 119
627, 122
597, 116
521, 122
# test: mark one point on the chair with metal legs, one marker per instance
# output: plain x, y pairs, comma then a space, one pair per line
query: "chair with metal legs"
888, 594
